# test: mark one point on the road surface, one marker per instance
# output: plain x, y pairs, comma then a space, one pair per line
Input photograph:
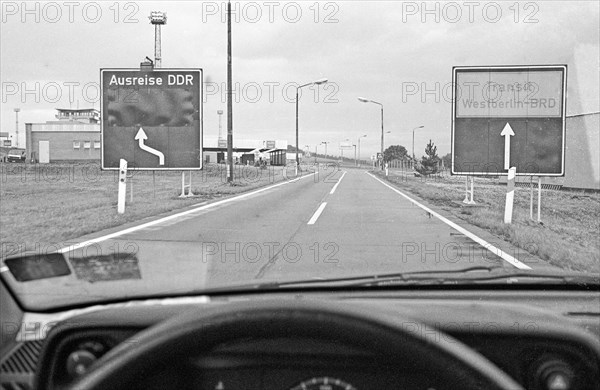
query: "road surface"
335, 224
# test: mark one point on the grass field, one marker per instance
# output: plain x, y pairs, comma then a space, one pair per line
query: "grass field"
568, 235
54, 203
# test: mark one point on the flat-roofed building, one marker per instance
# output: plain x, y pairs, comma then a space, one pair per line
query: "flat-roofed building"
73, 136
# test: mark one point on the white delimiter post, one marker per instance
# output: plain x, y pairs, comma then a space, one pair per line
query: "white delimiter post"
510, 195
122, 186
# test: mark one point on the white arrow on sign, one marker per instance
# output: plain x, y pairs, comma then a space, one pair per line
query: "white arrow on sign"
141, 137
507, 132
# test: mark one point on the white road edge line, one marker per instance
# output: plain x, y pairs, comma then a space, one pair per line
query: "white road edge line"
337, 184
317, 214
497, 251
161, 220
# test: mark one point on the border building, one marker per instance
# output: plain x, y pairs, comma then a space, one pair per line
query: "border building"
73, 136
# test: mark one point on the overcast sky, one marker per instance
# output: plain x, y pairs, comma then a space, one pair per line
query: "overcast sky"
390, 52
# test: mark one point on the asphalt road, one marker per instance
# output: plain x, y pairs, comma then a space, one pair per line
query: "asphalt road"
340, 223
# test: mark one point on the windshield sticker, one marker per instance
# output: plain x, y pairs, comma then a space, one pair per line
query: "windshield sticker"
118, 266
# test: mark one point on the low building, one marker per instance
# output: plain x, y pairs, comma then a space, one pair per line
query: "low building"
245, 151
74, 136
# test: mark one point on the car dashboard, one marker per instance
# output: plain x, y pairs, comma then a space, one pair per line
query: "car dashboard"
544, 340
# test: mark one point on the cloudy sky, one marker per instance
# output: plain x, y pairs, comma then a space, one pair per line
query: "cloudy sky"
398, 53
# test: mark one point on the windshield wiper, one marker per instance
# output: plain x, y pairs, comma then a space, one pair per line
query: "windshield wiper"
469, 275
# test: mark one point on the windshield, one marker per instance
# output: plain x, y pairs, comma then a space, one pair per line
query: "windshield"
187, 147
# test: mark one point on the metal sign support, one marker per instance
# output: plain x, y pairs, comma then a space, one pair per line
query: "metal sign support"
531, 198
130, 177
539, 198
184, 186
467, 192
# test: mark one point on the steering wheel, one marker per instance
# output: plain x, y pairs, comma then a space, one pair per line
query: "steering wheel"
202, 329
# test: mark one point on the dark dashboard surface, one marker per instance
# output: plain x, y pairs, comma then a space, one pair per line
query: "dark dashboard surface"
542, 340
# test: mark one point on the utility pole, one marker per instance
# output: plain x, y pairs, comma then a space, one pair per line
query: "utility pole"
229, 102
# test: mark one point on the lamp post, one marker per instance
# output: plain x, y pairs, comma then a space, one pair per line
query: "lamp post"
17, 110
355, 160
220, 114
362, 136
342, 150
318, 82
413, 145
325, 143
364, 100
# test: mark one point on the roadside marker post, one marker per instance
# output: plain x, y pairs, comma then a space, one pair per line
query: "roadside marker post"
122, 186
510, 195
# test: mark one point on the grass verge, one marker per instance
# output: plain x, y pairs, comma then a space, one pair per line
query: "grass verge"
568, 237
54, 203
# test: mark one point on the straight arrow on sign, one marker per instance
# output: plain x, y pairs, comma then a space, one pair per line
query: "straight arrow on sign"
507, 132
141, 137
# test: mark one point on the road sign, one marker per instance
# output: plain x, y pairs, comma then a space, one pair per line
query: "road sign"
152, 119
379, 156
509, 116
346, 145
270, 144
7, 142
3, 134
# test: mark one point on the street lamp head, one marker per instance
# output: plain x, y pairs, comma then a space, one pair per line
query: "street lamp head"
320, 81
364, 135
362, 99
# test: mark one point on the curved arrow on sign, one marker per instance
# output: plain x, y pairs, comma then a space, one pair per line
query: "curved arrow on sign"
507, 132
141, 137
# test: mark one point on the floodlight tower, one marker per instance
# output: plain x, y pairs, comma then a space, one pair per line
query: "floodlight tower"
157, 18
